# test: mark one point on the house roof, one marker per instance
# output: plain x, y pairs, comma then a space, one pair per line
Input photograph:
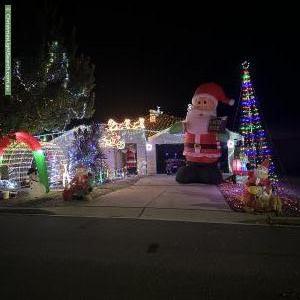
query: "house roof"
163, 121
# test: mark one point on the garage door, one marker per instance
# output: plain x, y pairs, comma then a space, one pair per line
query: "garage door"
169, 157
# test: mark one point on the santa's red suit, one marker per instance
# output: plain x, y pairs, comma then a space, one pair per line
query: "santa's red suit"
202, 148
130, 159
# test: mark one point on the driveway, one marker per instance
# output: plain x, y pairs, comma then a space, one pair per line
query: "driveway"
159, 197
162, 191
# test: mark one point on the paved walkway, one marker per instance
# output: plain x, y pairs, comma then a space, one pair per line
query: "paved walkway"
161, 198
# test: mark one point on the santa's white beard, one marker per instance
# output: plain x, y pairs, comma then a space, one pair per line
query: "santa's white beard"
197, 121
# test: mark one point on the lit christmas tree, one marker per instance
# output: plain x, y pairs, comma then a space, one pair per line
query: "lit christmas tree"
49, 91
255, 144
86, 151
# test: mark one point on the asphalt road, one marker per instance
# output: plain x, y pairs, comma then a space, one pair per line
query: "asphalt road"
46, 257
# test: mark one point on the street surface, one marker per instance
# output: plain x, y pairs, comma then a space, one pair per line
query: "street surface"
56, 257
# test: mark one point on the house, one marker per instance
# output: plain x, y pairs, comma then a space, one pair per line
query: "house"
151, 143
147, 145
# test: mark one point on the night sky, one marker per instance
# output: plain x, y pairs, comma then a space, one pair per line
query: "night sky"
148, 55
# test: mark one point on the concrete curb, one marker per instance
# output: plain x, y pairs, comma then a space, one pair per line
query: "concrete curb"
295, 221
157, 214
29, 211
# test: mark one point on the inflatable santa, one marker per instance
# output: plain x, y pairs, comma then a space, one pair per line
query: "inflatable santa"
131, 160
201, 145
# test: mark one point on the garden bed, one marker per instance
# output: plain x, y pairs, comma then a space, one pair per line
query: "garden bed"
233, 194
54, 198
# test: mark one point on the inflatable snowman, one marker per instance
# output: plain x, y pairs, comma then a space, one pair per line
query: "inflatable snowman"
201, 145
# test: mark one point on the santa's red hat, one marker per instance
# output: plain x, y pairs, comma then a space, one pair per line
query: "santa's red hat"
213, 90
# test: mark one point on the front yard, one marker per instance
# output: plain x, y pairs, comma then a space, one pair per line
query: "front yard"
54, 198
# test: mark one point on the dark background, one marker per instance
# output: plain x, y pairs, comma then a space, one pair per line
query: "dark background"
149, 54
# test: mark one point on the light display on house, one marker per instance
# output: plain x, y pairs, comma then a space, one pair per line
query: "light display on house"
140, 146
156, 144
125, 147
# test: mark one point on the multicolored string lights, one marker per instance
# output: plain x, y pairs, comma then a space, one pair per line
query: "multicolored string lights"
255, 144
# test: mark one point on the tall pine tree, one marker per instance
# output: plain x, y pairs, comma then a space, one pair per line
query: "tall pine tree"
49, 91
51, 84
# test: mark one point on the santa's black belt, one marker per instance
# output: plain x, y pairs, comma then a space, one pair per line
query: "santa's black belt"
201, 146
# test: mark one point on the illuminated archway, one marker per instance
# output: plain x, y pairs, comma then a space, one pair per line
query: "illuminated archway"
35, 146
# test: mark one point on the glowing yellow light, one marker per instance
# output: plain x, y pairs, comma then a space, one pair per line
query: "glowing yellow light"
127, 124
113, 137
152, 119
